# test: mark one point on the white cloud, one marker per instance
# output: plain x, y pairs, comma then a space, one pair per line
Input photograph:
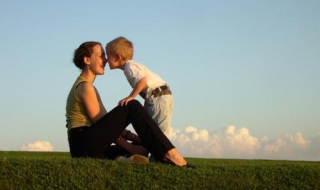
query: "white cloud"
37, 146
232, 142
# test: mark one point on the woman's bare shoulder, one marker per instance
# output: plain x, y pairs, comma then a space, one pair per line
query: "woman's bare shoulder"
85, 89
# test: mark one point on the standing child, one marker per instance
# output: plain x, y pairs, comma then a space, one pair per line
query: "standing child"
152, 88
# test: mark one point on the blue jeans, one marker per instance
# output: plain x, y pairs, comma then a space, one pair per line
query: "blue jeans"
161, 109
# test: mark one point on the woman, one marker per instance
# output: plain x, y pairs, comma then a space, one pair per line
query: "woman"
91, 129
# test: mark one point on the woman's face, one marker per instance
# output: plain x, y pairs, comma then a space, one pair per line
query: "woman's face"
97, 60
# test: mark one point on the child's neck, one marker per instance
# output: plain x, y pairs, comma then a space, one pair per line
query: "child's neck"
123, 64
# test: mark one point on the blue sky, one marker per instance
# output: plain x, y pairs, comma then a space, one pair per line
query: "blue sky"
251, 66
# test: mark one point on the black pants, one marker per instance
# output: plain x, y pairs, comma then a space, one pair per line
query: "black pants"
95, 140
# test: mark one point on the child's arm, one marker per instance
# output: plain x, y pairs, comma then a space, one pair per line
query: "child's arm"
136, 90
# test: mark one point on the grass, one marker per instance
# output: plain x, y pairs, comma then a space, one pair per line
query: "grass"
56, 170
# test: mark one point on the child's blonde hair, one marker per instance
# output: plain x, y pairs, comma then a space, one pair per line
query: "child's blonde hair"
121, 46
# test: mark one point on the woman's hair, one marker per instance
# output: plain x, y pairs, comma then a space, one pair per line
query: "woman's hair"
84, 50
120, 46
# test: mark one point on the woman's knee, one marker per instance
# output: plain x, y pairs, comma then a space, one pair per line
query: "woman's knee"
134, 103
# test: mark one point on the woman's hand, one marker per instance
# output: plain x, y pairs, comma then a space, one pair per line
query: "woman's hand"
126, 134
133, 149
136, 149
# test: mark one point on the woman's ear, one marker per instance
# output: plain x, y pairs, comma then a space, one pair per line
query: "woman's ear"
86, 60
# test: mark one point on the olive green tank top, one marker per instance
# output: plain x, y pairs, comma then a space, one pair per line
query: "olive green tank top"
75, 112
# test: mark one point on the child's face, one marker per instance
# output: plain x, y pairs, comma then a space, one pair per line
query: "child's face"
113, 61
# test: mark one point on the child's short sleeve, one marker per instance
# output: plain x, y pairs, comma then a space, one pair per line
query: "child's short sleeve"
134, 73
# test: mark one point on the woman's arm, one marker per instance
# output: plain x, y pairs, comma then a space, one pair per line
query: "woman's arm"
91, 100
133, 149
95, 110
126, 134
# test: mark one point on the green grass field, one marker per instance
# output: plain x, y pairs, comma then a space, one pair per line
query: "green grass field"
56, 170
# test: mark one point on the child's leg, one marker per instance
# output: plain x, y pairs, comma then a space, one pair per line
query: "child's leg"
160, 109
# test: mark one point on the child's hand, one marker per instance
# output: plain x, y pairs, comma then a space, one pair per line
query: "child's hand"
125, 101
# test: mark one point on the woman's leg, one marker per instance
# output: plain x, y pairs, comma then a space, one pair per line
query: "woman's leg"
153, 139
114, 151
76, 138
108, 129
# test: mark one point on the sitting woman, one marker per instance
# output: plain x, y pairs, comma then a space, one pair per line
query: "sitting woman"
92, 130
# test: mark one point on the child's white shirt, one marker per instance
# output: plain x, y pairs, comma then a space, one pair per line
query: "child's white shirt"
135, 71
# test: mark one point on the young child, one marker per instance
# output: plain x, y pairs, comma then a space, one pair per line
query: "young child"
152, 88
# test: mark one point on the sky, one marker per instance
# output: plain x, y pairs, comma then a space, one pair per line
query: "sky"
245, 75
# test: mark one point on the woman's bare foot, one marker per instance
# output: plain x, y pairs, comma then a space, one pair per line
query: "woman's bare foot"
174, 156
